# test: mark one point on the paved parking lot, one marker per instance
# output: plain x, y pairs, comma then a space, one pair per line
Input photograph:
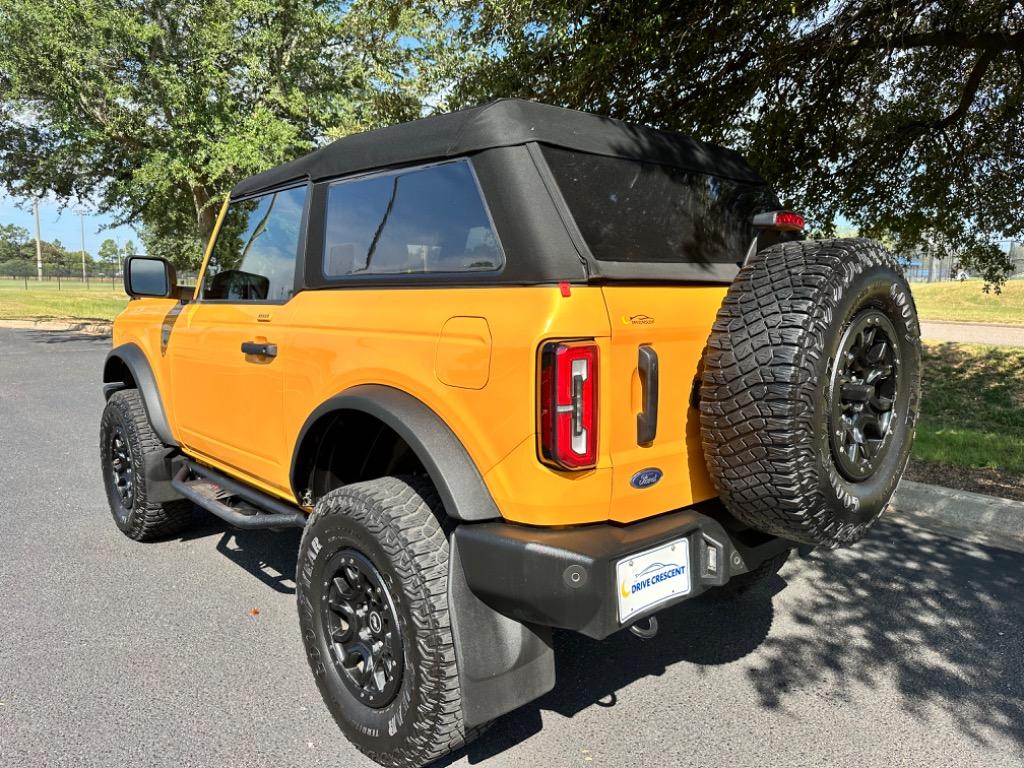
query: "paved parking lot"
905, 650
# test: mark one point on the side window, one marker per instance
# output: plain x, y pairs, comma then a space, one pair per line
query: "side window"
417, 221
254, 256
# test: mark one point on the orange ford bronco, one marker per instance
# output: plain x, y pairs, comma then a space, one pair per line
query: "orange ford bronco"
511, 369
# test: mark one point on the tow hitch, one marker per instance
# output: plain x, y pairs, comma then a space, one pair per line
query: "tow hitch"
645, 633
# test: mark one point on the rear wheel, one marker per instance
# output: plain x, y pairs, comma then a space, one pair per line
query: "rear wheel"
126, 440
373, 608
810, 389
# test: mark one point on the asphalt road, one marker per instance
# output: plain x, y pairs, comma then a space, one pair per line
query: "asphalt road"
905, 650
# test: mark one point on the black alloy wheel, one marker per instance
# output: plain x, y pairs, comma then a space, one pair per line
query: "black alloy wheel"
359, 621
121, 470
863, 392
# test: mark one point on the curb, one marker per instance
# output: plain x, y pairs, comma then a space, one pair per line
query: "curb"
976, 324
86, 327
963, 514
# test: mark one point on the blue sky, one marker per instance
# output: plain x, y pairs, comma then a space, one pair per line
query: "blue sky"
63, 225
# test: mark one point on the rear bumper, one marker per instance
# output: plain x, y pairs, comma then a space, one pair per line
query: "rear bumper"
566, 577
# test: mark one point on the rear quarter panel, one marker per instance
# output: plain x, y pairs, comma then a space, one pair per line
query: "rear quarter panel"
344, 337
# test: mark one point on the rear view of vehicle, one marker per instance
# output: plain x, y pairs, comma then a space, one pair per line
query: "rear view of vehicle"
516, 368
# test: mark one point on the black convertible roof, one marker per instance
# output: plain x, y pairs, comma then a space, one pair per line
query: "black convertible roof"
504, 123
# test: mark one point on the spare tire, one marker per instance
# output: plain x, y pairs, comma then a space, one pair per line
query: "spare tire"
810, 389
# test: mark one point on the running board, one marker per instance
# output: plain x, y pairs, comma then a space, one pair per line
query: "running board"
211, 485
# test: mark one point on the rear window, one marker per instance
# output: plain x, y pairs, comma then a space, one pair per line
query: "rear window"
417, 221
634, 211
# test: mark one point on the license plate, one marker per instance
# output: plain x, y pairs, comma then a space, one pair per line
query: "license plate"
652, 577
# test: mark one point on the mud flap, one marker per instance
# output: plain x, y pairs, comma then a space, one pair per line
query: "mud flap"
502, 663
160, 468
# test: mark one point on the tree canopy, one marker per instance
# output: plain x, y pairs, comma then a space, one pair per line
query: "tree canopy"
903, 116
152, 110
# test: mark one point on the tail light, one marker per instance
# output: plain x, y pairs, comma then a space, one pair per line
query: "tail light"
783, 221
568, 404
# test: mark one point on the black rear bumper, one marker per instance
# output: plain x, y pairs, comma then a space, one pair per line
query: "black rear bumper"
565, 577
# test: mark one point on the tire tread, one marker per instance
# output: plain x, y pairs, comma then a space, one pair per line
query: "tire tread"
759, 385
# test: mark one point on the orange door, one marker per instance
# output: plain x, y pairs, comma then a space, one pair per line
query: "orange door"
656, 332
229, 405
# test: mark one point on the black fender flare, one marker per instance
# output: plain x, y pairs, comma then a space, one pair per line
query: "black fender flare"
448, 463
131, 356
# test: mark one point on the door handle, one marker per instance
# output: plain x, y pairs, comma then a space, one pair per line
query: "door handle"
647, 419
256, 348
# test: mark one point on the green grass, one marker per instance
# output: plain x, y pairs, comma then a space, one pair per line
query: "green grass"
972, 408
966, 302
100, 301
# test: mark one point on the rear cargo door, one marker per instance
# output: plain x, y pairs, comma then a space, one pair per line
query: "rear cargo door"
658, 335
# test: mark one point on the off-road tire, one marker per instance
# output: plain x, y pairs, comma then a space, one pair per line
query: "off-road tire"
767, 392
141, 520
739, 585
396, 523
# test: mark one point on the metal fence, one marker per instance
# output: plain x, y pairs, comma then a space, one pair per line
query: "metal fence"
97, 279
924, 268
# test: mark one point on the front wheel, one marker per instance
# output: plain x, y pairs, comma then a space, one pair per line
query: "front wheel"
126, 440
372, 596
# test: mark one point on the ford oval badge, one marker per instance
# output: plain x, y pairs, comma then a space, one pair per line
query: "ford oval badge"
645, 478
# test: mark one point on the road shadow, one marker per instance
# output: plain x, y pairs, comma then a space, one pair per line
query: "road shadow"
591, 673
269, 556
942, 618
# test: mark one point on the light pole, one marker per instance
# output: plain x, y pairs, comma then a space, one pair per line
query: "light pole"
39, 247
81, 218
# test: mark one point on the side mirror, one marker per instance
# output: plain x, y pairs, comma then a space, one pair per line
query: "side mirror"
150, 276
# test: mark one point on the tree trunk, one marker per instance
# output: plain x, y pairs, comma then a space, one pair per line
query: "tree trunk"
206, 215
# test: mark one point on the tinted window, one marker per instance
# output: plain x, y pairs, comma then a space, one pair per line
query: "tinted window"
418, 221
254, 256
644, 212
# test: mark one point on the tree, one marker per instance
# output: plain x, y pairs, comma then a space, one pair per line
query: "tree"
110, 254
153, 110
903, 116
12, 239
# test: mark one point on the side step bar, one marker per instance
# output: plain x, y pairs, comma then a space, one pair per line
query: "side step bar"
275, 513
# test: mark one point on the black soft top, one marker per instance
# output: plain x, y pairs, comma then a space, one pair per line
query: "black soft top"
504, 123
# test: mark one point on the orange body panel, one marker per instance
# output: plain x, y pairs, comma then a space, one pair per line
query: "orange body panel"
470, 354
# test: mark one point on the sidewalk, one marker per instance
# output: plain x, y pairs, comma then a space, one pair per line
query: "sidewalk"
962, 514
973, 333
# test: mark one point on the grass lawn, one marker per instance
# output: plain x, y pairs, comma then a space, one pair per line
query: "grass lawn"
966, 302
971, 431
935, 301
100, 301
